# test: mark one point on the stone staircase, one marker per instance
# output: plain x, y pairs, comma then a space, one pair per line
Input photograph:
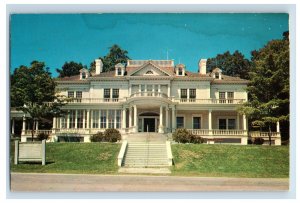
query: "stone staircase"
146, 154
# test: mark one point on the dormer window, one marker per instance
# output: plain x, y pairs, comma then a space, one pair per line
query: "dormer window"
119, 71
217, 73
180, 71
84, 74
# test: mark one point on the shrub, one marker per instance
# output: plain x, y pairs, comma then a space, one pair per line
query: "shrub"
112, 135
42, 136
98, 137
183, 136
258, 141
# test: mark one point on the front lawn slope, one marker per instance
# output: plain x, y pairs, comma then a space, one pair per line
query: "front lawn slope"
93, 158
231, 160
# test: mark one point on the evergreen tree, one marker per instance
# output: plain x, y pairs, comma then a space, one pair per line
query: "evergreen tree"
69, 69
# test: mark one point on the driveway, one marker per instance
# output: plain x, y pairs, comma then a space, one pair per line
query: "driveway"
37, 182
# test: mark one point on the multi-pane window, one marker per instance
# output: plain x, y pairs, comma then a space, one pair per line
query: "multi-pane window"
149, 90
95, 119
192, 93
72, 115
230, 97
64, 122
156, 90
180, 72
83, 75
180, 122
217, 75
106, 93
111, 118
71, 94
196, 122
80, 116
222, 97
78, 94
119, 71
231, 123
115, 93
183, 93
142, 90
103, 119
118, 119
222, 123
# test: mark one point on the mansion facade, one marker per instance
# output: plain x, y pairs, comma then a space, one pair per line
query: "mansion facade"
155, 96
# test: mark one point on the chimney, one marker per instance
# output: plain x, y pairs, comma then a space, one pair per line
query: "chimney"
99, 66
202, 66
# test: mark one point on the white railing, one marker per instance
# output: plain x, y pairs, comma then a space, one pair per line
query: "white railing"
149, 94
36, 132
95, 100
209, 101
217, 132
263, 134
79, 130
122, 153
162, 63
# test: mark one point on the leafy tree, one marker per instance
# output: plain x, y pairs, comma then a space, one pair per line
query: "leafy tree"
33, 92
231, 64
116, 55
70, 69
269, 85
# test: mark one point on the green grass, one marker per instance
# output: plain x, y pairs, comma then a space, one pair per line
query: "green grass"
92, 158
231, 160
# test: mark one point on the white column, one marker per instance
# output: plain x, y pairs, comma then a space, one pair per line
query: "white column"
130, 117
167, 119
129, 90
99, 115
88, 119
83, 119
76, 114
278, 127
173, 119
237, 121
140, 89
209, 122
54, 122
92, 118
68, 120
60, 122
159, 88
37, 125
135, 119
13, 126
124, 118
169, 91
115, 119
160, 128
244, 122
188, 94
24, 125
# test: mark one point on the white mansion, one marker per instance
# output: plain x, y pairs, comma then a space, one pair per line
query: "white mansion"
155, 96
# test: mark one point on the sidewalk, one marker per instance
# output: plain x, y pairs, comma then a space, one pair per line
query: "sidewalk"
39, 182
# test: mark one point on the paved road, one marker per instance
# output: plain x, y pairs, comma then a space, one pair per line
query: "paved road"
128, 183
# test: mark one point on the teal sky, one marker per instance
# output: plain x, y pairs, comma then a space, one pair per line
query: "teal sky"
186, 38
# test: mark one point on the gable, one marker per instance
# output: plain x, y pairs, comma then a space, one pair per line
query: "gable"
149, 70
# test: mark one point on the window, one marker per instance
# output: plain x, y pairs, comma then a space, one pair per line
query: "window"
149, 90
180, 72
80, 116
115, 93
156, 90
149, 72
103, 119
71, 94
106, 93
111, 118
222, 123
72, 118
95, 119
180, 122
83, 75
142, 90
64, 122
222, 97
192, 93
118, 118
183, 94
231, 123
79, 94
230, 97
217, 75
119, 71
196, 122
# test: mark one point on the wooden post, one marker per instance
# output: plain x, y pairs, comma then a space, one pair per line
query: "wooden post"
16, 152
44, 152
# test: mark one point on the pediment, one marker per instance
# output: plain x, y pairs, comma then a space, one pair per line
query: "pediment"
149, 69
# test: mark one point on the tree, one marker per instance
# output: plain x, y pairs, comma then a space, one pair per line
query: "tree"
231, 64
269, 85
116, 55
70, 69
33, 92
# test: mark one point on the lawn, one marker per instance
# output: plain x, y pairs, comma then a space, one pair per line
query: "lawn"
231, 160
93, 158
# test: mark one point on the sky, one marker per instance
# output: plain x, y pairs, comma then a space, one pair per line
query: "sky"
185, 38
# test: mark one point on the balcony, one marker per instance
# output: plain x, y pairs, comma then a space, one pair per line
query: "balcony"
149, 94
209, 101
95, 100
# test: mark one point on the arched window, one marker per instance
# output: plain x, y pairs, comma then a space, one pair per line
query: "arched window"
179, 71
119, 71
149, 72
217, 75
83, 75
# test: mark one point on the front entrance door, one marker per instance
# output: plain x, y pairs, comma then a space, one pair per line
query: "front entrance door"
150, 122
